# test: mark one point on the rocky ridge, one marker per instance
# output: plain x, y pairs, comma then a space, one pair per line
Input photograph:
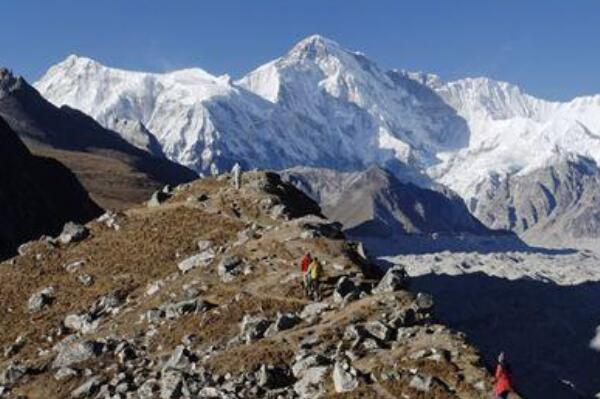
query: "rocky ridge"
197, 294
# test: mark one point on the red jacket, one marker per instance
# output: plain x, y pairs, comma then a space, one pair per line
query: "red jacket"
306, 259
503, 380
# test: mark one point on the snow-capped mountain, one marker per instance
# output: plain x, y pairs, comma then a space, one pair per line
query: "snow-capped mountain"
325, 106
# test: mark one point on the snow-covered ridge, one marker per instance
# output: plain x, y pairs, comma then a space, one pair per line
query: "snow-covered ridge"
323, 105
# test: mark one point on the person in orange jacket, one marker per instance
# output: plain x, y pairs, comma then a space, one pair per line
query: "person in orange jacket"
503, 386
304, 263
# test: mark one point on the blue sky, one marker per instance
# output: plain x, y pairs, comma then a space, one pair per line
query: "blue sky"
550, 48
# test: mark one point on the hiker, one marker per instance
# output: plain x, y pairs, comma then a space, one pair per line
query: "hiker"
236, 171
315, 270
503, 385
304, 264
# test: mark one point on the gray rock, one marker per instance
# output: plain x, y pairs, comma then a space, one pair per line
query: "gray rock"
157, 198
201, 259
40, 299
172, 311
421, 382
13, 373
229, 267
149, 389
424, 302
311, 385
285, 321
307, 361
88, 388
253, 328
172, 385
86, 279
379, 330
83, 323
313, 311
394, 279
71, 353
345, 377
16, 347
73, 232
181, 359
271, 377
65, 373
343, 287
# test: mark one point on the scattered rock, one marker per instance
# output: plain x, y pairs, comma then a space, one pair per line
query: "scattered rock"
86, 279
394, 279
379, 330
13, 349
201, 259
172, 385
88, 388
345, 377
65, 373
40, 299
311, 385
158, 198
253, 328
229, 267
424, 303
313, 311
271, 377
83, 323
12, 374
71, 353
73, 232
421, 382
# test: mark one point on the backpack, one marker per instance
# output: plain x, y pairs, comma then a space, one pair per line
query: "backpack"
315, 270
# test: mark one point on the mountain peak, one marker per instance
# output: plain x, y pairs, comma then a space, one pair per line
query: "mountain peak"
314, 46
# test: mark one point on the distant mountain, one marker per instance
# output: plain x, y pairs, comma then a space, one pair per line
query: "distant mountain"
374, 203
548, 204
37, 195
115, 172
321, 105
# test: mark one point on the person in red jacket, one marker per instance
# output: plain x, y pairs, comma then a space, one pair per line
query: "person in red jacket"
304, 263
503, 386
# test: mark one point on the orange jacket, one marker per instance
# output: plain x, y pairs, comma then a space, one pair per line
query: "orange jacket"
306, 259
503, 380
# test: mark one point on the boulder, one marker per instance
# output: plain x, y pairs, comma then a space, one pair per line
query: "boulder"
253, 328
306, 361
345, 377
285, 321
86, 279
201, 259
172, 311
73, 232
394, 279
181, 359
65, 373
271, 377
83, 323
313, 311
88, 388
71, 353
421, 382
343, 287
40, 299
379, 330
311, 384
424, 303
229, 267
12, 374
157, 198
172, 385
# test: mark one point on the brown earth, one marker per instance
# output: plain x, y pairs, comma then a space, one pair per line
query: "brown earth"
147, 249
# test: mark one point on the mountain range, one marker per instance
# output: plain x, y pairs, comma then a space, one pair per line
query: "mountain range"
115, 172
321, 105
